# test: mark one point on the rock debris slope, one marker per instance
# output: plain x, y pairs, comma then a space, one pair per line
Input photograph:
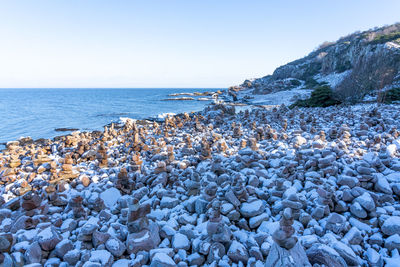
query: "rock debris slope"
278, 187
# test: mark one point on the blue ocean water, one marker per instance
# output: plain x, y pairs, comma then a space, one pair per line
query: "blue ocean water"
38, 112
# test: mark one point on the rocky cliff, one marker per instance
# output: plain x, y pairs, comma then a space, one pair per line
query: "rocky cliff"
356, 65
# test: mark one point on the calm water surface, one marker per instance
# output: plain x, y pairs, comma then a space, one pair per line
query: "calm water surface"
37, 112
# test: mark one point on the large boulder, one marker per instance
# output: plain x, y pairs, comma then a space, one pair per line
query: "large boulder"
162, 260
143, 240
48, 238
325, 255
238, 253
280, 257
251, 209
103, 257
391, 226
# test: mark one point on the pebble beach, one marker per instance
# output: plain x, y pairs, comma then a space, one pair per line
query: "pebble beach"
261, 187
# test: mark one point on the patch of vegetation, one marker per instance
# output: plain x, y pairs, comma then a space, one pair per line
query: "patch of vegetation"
343, 66
311, 82
383, 38
325, 44
390, 96
322, 96
295, 82
311, 70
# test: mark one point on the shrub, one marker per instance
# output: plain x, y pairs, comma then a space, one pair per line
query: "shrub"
343, 66
311, 82
295, 83
390, 96
322, 96
325, 45
310, 70
383, 38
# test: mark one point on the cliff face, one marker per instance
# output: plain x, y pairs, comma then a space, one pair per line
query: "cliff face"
355, 65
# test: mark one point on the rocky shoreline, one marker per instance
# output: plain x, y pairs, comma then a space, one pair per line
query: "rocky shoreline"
265, 187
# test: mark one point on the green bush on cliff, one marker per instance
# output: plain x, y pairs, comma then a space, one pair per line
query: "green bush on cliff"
322, 96
343, 66
295, 82
383, 38
311, 83
391, 95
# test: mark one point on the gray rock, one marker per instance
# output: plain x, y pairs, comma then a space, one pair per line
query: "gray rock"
110, 197
72, 257
346, 253
91, 264
115, 246
391, 226
168, 202
252, 209
6, 242
392, 242
318, 213
354, 236
382, 185
102, 256
162, 260
394, 177
168, 251
238, 253
336, 223
254, 222
230, 196
195, 259
226, 208
347, 180
366, 201
99, 238
68, 225
358, 211
167, 231
374, 258
18, 259
63, 247
216, 252
143, 240
49, 238
34, 265
33, 254
376, 239
201, 206
180, 241
8, 260
90, 226
347, 196
52, 262
234, 215
255, 252
280, 257
364, 170
323, 254
20, 223
122, 263
396, 189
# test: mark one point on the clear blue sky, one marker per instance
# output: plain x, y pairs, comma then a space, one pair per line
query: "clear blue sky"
169, 43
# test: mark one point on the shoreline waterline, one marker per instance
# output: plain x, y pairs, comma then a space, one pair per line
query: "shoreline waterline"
38, 112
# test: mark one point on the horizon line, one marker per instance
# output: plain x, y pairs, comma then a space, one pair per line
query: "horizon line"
113, 88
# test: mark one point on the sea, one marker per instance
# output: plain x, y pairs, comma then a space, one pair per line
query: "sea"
38, 112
